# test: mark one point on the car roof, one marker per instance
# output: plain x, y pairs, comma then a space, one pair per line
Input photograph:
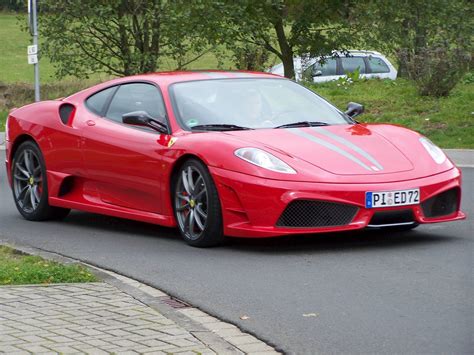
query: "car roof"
170, 77
167, 78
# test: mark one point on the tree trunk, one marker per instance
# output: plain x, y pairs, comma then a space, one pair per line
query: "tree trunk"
285, 49
402, 68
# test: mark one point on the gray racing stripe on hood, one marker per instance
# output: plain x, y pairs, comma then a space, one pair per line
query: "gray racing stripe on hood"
334, 148
348, 144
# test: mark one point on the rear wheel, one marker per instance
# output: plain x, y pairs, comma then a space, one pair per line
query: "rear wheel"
30, 186
196, 205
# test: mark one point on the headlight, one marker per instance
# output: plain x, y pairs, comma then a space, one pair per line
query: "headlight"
436, 153
264, 160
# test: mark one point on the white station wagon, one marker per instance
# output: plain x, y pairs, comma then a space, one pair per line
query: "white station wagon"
370, 63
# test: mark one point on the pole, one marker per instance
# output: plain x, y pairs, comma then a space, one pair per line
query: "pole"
35, 42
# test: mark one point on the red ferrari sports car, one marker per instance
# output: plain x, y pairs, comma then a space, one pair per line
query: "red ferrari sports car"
224, 154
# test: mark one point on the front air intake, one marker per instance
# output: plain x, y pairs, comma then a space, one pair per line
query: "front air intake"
443, 204
313, 213
386, 218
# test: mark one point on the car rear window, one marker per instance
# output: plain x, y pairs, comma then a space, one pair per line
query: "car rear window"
96, 102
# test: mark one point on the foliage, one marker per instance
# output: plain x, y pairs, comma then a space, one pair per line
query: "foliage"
406, 28
119, 37
13, 5
468, 78
20, 94
436, 71
285, 28
354, 75
17, 268
248, 56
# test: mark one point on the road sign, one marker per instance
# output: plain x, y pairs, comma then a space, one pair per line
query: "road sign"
33, 49
32, 59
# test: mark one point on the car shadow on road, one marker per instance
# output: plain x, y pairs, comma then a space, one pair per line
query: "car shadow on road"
97, 222
327, 242
341, 242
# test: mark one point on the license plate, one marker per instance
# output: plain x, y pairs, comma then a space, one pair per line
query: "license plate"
392, 198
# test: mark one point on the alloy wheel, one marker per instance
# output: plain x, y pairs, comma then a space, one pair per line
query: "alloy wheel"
191, 202
28, 181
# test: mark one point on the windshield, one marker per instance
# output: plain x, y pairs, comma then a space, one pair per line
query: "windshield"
250, 103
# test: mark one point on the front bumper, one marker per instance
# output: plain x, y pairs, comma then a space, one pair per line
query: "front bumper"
252, 206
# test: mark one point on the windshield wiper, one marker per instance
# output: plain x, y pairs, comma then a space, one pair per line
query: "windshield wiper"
303, 124
219, 127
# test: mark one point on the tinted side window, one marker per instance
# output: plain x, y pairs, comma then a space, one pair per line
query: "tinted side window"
351, 64
377, 65
96, 102
136, 97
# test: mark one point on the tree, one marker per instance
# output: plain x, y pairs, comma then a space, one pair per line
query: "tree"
284, 27
406, 28
13, 5
120, 37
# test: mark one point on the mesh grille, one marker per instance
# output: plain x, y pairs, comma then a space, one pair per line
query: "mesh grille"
310, 213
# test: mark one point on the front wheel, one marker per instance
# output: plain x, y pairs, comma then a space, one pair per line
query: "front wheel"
30, 186
196, 205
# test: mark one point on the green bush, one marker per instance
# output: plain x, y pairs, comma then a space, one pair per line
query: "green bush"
437, 70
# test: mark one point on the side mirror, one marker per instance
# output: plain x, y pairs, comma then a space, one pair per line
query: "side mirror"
317, 73
354, 109
143, 119
136, 118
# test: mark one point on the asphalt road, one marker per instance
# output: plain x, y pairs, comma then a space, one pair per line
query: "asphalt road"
366, 292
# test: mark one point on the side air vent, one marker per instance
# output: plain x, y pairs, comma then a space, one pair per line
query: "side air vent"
66, 112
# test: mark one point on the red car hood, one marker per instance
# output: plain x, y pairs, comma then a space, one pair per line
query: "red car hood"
340, 149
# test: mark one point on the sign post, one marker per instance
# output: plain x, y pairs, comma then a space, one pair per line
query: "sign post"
33, 50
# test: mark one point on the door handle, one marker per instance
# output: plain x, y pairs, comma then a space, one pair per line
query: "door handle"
90, 123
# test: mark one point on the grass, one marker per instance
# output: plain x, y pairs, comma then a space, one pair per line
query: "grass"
447, 121
13, 58
17, 268
3, 118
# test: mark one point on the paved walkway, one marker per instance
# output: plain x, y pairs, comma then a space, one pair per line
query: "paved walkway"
97, 318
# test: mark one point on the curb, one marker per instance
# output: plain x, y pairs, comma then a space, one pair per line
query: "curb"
219, 336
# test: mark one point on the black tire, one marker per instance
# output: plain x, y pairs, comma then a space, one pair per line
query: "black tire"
30, 185
191, 204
